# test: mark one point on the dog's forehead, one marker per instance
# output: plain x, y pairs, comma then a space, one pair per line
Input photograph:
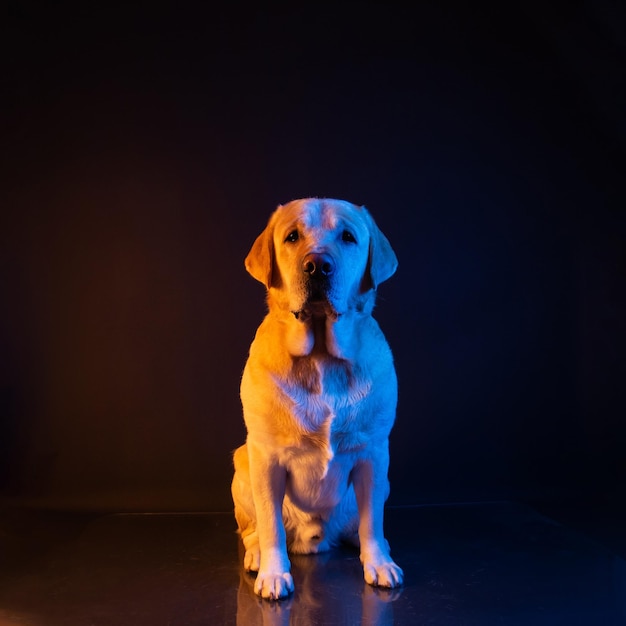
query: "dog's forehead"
322, 214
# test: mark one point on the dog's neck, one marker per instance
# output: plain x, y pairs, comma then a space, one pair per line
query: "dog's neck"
318, 329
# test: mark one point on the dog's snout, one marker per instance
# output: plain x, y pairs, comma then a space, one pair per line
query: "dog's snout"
318, 265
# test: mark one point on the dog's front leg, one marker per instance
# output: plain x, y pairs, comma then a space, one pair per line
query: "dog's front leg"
268, 479
371, 488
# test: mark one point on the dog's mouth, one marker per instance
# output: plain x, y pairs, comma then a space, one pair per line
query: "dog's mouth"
317, 292
317, 304
316, 310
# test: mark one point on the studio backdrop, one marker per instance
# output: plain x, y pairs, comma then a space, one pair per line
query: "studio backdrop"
143, 152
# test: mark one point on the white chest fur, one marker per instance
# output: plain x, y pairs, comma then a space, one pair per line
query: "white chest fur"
326, 397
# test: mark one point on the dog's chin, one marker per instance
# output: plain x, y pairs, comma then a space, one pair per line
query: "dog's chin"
316, 308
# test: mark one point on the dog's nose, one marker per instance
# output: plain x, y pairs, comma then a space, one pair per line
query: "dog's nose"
318, 265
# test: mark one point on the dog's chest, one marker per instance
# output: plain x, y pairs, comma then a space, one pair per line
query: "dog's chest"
327, 395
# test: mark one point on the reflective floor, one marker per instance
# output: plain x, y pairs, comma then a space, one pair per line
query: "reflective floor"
482, 564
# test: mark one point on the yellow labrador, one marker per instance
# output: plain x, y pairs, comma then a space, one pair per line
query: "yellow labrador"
319, 395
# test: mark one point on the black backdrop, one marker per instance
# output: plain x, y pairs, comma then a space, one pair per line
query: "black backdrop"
143, 150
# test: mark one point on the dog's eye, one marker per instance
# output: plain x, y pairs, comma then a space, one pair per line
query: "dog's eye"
348, 237
292, 236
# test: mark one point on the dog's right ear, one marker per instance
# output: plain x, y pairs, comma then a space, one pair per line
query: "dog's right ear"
260, 259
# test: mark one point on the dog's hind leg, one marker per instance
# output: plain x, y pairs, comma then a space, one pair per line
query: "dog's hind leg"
244, 511
307, 535
343, 523
252, 557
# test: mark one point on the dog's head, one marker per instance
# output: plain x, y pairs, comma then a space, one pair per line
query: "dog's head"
321, 257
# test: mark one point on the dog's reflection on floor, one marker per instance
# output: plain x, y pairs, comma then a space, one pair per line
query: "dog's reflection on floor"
329, 590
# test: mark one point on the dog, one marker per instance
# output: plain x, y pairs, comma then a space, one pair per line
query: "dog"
319, 395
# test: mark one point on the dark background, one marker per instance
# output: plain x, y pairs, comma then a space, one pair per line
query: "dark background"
143, 150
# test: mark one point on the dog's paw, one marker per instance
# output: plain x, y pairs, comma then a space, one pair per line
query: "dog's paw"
273, 586
383, 573
252, 559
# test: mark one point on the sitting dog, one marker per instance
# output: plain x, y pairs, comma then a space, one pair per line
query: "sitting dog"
319, 396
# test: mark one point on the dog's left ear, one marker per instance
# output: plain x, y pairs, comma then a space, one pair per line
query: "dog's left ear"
260, 259
382, 261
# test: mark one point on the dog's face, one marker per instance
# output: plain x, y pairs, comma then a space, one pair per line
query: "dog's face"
321, 252
321, 257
